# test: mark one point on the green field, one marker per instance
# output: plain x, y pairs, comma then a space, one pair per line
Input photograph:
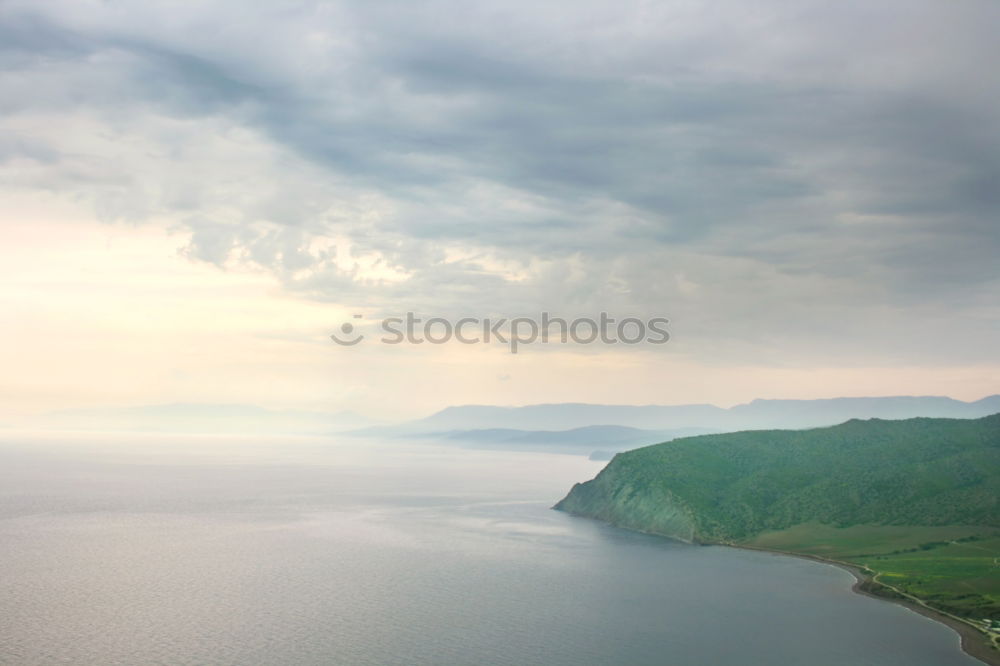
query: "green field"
953, 568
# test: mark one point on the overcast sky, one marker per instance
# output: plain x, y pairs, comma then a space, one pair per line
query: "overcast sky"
197, 195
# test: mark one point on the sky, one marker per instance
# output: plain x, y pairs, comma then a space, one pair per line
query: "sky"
196, 195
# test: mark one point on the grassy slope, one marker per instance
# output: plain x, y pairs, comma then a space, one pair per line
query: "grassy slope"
868, 492
953, 568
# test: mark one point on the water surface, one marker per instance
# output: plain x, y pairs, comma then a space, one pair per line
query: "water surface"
165, 550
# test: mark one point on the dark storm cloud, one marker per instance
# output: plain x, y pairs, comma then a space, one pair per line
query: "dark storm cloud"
677, 155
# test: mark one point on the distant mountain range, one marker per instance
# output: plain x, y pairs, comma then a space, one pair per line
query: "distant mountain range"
201, 418
608, 438
570, 427
707, 418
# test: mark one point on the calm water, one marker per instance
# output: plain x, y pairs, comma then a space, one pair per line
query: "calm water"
218, 551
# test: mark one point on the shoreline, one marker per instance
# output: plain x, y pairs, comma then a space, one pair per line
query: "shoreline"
972, 641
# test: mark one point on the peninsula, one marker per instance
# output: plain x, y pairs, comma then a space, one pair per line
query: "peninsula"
911, 506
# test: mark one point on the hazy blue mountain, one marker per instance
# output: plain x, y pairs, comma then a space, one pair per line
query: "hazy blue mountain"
566, 416
756, 414
577, 440
812, 413
201, 418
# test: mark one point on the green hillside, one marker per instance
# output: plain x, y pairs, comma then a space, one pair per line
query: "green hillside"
915, 501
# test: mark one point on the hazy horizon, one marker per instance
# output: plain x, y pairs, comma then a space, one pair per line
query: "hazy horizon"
193, 204
235, 418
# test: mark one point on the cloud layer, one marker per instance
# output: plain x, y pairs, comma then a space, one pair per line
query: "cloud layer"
784, 180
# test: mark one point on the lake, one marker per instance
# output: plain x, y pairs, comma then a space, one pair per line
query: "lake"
222, 550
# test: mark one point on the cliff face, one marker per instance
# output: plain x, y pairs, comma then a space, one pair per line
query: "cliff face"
624, 496
621, 503
729, 488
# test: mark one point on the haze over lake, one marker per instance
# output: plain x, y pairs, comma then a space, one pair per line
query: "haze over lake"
308, 551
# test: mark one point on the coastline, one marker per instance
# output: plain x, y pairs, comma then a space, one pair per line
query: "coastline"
973, 641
